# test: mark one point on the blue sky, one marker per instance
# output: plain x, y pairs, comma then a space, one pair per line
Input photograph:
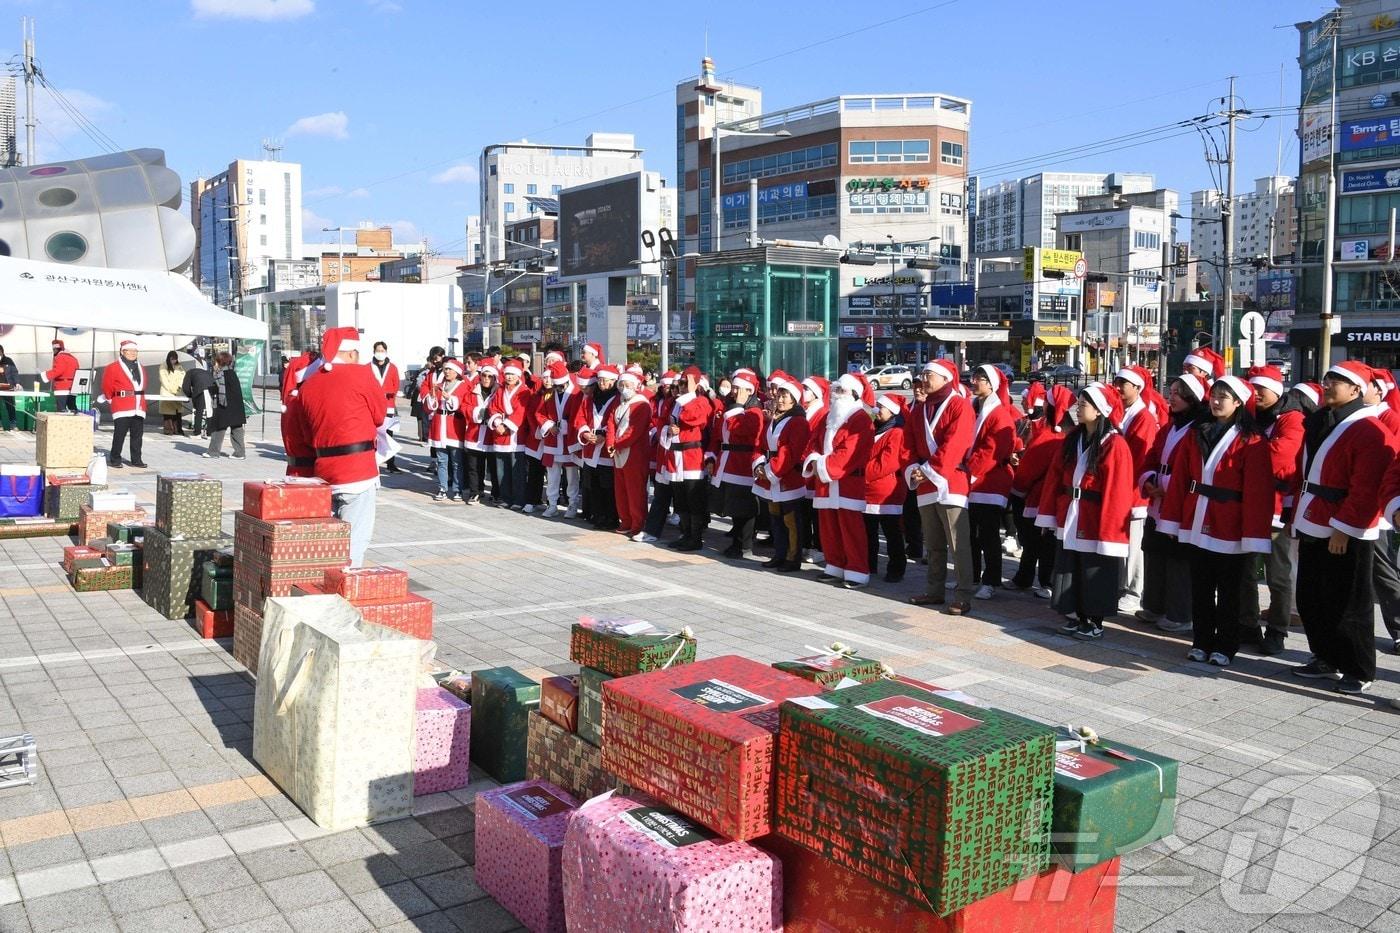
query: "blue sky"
387, 103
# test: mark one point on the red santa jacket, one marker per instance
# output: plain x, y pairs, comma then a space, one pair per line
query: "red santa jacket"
1223, 502
1340, 483
506, 410
296, 438
477, 409
526, 437
554, 423
988, 463
813, 412
61, 374
1158, 467
344, 408
1029, 477
736, 444
837, 453
939, 436
1285, 438
629, 435
1139, 429
1090, 511
591, 430
447, 420
784, 445
126, 395
661, 403
388, 379
885, 489
684, 453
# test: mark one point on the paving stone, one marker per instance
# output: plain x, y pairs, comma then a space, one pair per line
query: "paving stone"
339, 915
138, 894
393, 903
297, 891
213, 877
234, 906
172, 918
66, 910
281, 862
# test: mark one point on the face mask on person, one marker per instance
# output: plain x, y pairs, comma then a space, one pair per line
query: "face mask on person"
380, 357
627, 392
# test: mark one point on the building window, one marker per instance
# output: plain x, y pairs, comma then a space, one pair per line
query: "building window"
1145, 240
262, 195
262, 219
492, 170
510, 207
783, 163
950, 153
555, 189
262, 240
891, 150
532, 189
508, 188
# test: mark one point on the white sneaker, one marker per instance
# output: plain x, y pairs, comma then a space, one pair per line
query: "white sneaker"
1174, 628
644, 538
673, 519
983, 592
1219, 660
551, 511
1197, 655
529, 510
1042, 591
1128, 605
1010, 548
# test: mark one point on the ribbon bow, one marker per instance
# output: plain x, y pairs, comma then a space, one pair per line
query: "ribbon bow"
834, 650
686, 636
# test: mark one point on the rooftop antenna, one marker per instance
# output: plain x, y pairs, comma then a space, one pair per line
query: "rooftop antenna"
273, 148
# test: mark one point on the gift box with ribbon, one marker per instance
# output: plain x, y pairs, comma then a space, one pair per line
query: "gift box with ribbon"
628, 646
590, 704
829, 666
189, 505
502, 700
442, 742
519, 837
561, 757
292, 497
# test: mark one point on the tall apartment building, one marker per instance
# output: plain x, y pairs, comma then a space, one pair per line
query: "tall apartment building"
1020, 212
1259, 215
242, 218
9, 143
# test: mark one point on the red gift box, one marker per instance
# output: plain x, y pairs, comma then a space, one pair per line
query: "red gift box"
65, 477
820, 896
700, 738
287, 498
252, 585
213, 623
367, 583
92, 524
247, 636
78, 552
559, 701
412, 615
308, 589
292, 539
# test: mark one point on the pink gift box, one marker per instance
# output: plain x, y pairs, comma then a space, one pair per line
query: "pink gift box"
632, 865
519, 835
442, 757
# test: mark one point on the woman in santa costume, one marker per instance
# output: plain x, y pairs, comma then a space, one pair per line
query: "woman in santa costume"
446, 402
663, 500
506, 413
816, 391
628, 443
1139, 428
1088, 500
124, 385
734, 448
1220, 505
555, 413
1036, 571
683, 446
838, 452
778, 480
591, 428
988, 469
885, 489
1166, 573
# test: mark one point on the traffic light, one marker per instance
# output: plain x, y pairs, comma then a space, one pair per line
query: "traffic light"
862, 259
1098, 277
922, 264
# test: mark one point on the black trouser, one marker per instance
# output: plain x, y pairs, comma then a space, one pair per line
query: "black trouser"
1215, 599
807, 526
893, 527
913, 526
984, 521
662, 495
7, 413
693, 503
1387, 583
121, 427
392, 462
534, 482
1037, 548
198, 418
598, 496
782, 523
1336, 601
742, 508
66, 403
473, 463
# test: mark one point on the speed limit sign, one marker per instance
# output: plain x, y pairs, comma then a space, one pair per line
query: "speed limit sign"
1081, 267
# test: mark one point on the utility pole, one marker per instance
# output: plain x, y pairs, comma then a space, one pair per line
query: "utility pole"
1329, 237
1227, 227
31, 70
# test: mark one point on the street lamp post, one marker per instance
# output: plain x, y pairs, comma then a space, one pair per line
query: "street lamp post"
716, 218
340, 250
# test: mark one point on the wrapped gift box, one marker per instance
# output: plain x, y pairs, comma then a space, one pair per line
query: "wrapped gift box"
820, 896
216, 585
247, 636
62, 440
1110, 799
604, 646
561, 757
171, 570
111, 500
411, 614
78, 552
941, 802
92, 524
189, 505
590, 704
293, 497
64, 475
64, 502
254, 582
367, 584
700, 738
106, 577
830, 669
37, 527
212, 623
502, 699
126, 532
443, 743
519, 838
559, 701
292, 540
123, 555
632, 866
455, 683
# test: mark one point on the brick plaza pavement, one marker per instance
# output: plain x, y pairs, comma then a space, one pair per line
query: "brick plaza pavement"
150, 815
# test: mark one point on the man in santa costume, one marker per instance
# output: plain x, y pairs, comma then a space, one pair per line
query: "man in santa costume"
447, 428
1205, 364
683, 445
476, 461
554, 419
838, 453
344, 406
988, 469
659, 513
628, 443
885, 489
387, 375
940, 435
591, 428
1337, 522
124, 386
778, 481
815, 393
506, 413
592, 355
1139, 428
1387, 580
61, 375
296, 433
734, 449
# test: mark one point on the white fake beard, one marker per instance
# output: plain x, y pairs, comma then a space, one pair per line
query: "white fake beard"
842, 406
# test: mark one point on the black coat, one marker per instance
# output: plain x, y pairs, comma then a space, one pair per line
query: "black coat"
231, 415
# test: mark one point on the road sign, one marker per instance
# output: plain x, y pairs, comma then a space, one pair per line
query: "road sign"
1081, 268
1252, 353
1252, 326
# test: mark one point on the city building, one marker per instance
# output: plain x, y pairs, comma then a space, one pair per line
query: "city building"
1263, 224
9, 120
359, 259
473, 238
532, 255
420, 268
1020, 212
873, 174
242, 218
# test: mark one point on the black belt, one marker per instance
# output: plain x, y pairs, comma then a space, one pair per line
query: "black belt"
739, 448
1215, 493
688, 445
301, 461
1088, 495
1282, 485
345, 449
126, 394
1325, 493
770, 454
860, 472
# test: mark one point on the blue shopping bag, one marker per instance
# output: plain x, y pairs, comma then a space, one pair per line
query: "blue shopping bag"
21, 496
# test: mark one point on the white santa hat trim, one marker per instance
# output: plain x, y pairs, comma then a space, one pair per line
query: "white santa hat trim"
1308, 392
993, 375
851, 384
816, 390
1273, 385
128, 345
1129, 375
1195, 384
1238, 388
1095, 392
788, 386
943, 368
744, 381
1201, 363
888, 400
512, 368
1342, 371
455, 366
630, 378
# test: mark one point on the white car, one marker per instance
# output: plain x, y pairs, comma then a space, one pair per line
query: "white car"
891, 377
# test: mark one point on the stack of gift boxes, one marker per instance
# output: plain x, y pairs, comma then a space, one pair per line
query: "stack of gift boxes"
213, 610
188, 531
726, 794
381, 595
32, 504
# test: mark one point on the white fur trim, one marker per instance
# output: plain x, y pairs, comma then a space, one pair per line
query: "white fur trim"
1343, 373
1127, 375
1238, 387
1273, 385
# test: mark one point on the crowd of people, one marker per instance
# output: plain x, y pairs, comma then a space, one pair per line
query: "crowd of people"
1116, 499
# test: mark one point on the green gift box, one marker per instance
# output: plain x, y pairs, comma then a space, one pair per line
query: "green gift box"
94, 579
62, 503
830, 669
502, 699
942, 802
126, 532
590, 704
172, 570
1110, 799
593, 645
189, 505
216, 586
122, 555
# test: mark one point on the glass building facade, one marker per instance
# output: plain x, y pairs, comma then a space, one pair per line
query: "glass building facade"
770, 308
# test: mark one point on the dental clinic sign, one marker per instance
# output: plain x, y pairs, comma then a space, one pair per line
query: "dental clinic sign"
1376, 179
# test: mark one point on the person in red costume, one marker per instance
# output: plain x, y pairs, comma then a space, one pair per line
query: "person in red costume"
61, 375
628, 442
386, 373
838, 452
124, 386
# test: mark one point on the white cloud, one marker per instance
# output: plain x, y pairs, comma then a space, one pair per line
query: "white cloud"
57, 126
405, 231
385, 6
334, 124
325, 191
465, 174
311, 224
358, 193
265, 10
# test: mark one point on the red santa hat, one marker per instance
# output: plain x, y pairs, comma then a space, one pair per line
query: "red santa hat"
894, 403
1353, 371
781, 380
336, 341
1206, 359
1239, 389
859, 387
746, 378
629, 377
488, 367
1310, 391
636, 370
559, 373
1061, 400
606, 371
998, 381
1195, 386
512, 366
1106, 399
595, 348
1267, 377
692, 372
454, 365
57, 344
943, 368
668, 377
584, 377
1136, 375
818, 387
127, 344
554, 356
1034, 396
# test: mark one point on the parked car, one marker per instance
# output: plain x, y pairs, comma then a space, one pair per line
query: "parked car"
894, 376
1063, 374
1285, 367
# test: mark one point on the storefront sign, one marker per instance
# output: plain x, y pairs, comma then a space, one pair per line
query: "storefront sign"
1376, 179
793, 192
886, 184
1274, 289
900, 199
732, 328
1356, 336
1368, 134
861, 281
805, 328
1355, 251
1051, 260
1316, 132
954, 293
860, 301
865, 330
